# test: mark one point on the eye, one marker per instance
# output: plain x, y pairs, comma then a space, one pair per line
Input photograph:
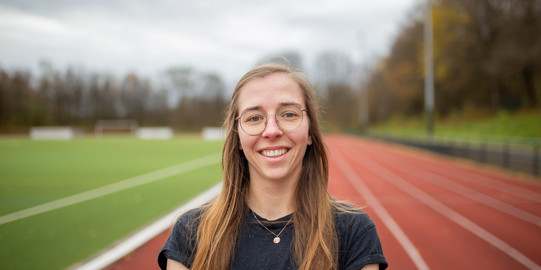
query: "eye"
254, 118
289, 115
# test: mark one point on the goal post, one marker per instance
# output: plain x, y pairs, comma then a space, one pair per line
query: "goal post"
115, 127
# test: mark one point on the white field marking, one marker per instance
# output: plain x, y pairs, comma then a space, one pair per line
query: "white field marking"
122, 249
380, 211
448, 184
112, 188
447, 212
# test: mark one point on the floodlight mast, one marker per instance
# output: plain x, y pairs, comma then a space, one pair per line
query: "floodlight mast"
359, 79
429, 71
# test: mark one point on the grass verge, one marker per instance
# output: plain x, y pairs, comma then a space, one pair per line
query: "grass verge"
473, 125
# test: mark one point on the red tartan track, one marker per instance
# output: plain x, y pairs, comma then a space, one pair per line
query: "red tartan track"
431, 212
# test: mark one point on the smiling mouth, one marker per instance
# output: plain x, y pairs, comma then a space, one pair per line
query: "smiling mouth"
274, 153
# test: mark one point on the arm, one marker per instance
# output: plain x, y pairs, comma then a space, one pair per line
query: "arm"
371, 267
174, 265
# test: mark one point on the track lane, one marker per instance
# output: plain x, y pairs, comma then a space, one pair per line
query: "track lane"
376, 207
437, 239
506, 198
343, 190
356, 150
487, 216
514, 186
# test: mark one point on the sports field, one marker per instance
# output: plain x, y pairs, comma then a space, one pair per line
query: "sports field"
63, 201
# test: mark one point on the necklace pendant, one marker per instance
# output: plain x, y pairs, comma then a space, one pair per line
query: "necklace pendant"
276, 240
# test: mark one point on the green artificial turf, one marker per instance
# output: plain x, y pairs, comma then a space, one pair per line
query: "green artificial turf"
36, 172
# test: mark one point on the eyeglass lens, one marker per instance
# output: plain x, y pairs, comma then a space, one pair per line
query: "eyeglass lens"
288, 118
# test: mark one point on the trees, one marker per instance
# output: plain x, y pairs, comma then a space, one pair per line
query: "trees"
485, 53
333, 81
76, 98
199, 98
17, 100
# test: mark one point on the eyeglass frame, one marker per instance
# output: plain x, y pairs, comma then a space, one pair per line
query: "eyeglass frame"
267, 118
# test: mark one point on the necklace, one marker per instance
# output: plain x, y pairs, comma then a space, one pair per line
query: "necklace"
276, 239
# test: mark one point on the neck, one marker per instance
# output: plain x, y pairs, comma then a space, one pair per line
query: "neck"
271, 200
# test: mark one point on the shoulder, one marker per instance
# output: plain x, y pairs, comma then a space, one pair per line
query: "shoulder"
182, 242
193, 214
353, 225
348, 218
189, 219
358, 240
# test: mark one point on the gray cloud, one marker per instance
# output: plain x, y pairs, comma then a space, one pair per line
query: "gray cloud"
215, 35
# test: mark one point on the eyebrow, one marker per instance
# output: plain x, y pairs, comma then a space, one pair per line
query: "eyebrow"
258, 107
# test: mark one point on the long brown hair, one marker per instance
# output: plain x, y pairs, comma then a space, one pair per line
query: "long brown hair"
315, 244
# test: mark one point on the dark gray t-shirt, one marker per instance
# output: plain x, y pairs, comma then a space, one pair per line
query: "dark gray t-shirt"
358, 242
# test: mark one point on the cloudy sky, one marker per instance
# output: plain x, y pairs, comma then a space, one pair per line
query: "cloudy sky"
223, 36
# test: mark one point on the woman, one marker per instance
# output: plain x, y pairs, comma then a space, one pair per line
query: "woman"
274, 211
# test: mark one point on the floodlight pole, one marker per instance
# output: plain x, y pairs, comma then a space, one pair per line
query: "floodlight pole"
429, 71
363, 110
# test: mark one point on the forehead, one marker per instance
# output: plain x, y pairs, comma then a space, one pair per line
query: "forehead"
269, 92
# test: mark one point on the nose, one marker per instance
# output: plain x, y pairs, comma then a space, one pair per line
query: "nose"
272, 129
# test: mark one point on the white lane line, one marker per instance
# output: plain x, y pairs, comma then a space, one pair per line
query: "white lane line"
112, 188
433, 203
124, 248
380, 211
472, 194
483, 180
500, 186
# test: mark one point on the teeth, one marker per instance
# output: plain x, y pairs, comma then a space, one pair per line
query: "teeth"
274, 153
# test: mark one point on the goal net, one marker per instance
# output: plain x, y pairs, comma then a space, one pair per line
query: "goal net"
103, 127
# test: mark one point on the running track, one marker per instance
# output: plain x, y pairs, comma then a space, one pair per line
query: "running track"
431, 212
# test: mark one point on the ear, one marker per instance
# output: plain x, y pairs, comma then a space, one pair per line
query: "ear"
240, 147
309, 140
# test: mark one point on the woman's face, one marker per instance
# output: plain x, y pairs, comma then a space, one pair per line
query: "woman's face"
274, 154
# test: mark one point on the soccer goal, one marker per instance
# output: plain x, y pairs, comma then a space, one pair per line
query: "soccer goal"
104, 127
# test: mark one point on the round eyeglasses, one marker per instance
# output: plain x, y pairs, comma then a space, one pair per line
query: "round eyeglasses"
288, 118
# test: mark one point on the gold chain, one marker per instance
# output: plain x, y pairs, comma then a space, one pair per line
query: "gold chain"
276, 239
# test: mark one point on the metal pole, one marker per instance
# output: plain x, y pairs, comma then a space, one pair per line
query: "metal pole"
363, 110
429, 71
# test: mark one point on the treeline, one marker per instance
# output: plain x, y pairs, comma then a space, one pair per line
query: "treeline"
188, 101
182, 98
486, 55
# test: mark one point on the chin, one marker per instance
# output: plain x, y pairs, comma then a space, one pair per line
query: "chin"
277, 175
